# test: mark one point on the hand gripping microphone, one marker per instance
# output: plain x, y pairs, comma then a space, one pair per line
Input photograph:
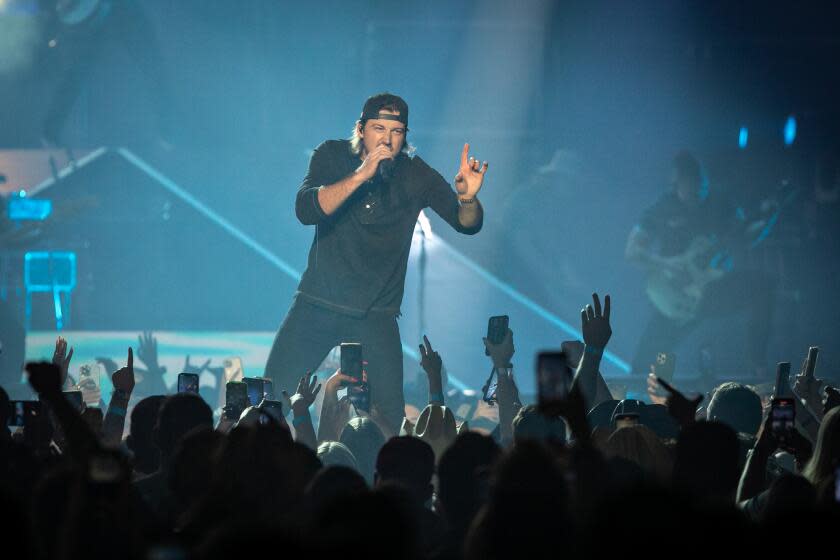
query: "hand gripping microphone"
386, 169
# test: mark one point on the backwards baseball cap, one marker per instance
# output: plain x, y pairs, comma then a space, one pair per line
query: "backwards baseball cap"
389, 102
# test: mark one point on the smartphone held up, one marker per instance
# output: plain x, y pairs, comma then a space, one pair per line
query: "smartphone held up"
352, 365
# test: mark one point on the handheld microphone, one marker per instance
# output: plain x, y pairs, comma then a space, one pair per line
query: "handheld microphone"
386, 169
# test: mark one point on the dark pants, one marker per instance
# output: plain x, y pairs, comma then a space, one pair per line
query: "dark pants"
308, 334
750, 292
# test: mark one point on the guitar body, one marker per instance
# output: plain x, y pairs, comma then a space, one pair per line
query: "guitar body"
677, 289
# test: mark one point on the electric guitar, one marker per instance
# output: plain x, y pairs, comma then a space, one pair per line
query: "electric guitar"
677, 285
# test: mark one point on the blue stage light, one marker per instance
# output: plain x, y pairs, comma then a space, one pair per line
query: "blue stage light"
790, 130
743, 136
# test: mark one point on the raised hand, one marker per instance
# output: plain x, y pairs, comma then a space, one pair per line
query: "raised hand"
806, 386
147, 352
506, 391
123, 378
654, 391
595, 323
470, 175
433, 366
370, 165
791, 441
61, 358
430, 360
338, 381
573, 408
189, 368
45, 378
683, 410
307, 389
501, 353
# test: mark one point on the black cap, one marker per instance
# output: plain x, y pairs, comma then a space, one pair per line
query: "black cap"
387, 101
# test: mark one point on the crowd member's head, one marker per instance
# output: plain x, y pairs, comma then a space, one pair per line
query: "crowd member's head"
737, 406
364, 439
331, 483
640, 445
180, 414
140, 439
706, 462
436, 426
687, 178
374, 524
463, 478
259, 476
530, 424
102, 514
410, 462
527, 508
336, 453
192, 466
821, 469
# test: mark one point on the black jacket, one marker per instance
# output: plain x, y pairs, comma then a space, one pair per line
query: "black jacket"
359, 256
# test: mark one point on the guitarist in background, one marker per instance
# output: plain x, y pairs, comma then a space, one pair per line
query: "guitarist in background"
685, 242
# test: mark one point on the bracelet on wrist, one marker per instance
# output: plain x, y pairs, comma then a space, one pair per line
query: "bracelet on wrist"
298, 420
466, 200
118, 410
435, 398
596, 350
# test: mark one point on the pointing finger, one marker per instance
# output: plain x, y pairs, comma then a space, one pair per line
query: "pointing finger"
597, 303
464, 153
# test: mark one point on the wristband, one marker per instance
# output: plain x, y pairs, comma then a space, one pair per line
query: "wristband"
117, 410
596, 350
119, 394
466, 200
436, 397
298, 420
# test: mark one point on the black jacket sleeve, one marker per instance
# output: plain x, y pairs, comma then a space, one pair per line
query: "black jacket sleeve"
307, 207
442, 199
